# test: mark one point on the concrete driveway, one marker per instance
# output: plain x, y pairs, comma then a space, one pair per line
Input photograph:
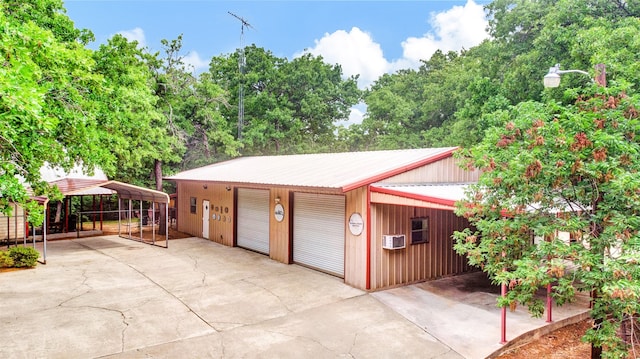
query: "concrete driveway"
116, 298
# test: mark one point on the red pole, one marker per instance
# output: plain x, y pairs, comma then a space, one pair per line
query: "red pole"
503, 312
101, 211
368, 226
503, 316
93, 209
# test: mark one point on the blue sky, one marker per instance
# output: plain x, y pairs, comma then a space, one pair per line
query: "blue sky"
368, 38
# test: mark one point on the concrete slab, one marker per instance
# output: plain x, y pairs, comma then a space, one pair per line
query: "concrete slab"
461, 312
112, 297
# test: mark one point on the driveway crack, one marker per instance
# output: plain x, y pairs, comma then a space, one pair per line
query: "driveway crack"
266, 289
154, 283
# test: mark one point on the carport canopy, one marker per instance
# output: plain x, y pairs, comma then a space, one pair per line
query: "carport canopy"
128, 191
84, 186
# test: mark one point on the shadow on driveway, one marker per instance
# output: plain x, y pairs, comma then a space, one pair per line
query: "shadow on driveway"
111, 297
461, 312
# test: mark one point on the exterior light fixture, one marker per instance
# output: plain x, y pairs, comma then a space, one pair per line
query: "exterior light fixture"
552, 78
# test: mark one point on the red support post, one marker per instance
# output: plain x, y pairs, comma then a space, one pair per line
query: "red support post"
503, 316
101, 211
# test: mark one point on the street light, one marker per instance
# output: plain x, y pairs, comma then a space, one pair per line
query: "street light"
552, 78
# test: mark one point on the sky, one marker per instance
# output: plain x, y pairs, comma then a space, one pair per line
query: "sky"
367, 38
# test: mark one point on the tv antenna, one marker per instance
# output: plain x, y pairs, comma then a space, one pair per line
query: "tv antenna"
241, 65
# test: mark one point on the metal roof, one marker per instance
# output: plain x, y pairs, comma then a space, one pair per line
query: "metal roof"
83, 186
344, 171
128, 191
441, 193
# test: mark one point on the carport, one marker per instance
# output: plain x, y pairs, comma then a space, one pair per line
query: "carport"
124, 191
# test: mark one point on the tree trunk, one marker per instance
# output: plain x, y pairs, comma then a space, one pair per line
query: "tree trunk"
162, 218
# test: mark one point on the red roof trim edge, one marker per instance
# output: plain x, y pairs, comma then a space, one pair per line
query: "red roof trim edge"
399, 170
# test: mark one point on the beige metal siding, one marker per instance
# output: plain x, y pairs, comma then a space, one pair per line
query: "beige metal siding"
445, 170
13, 227
415, 262
221, 205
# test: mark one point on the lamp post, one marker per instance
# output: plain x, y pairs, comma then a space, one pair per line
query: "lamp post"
552, 78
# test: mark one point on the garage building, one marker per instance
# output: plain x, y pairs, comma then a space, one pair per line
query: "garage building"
377, 219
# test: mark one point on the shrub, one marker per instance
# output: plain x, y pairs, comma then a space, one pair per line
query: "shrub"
5, 259
24, 256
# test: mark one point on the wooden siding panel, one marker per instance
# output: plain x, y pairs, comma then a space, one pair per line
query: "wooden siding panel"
279, 248
221, 205
355, 256
416, 262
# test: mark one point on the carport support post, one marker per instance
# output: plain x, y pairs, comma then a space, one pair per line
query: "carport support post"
119, 214
130, 205
44, 236
166, 226
153, 222
140, 226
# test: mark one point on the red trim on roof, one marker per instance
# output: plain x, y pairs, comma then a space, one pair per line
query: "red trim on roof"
436, 200
397, 171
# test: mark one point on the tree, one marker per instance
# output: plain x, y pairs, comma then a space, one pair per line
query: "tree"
192, 107
289, 106
129, 123
551, 172
46, 110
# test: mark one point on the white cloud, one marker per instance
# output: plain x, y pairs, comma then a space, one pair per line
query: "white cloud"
358, 53
136, 34
460, 27
194, 60
355, 51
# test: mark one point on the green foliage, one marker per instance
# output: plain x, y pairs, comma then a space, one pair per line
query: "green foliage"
446, 101
23, 256
289, 106
191, 109
6, 261
45, 113
550, 169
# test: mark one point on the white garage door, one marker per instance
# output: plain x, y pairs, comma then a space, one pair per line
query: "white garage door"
318, 232
253, 219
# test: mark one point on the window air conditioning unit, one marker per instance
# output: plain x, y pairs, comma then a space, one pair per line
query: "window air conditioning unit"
393, 241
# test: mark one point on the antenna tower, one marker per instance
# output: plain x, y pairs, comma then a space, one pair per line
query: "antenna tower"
241, 65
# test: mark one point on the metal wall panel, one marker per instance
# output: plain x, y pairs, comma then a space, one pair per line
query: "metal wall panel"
446, 170
318, 232
253, 219
416, 262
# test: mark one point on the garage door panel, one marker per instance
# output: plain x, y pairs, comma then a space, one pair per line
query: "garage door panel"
253, 219
318, 233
